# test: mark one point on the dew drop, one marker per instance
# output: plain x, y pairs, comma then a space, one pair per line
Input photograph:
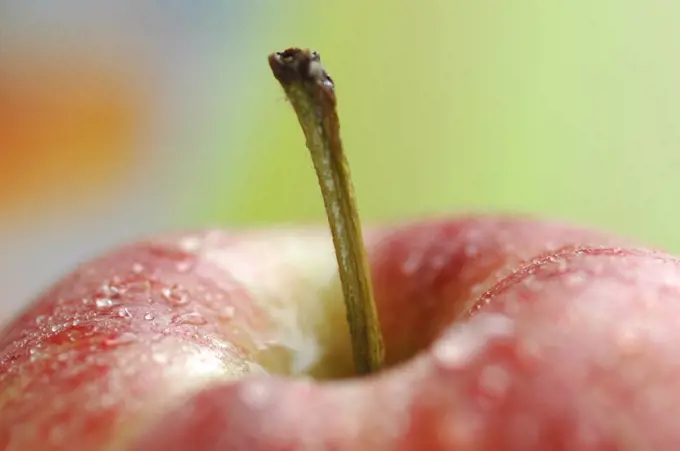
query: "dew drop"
124, 313
104, 302
74, 335
40, 319
175, 295
34, 354
149, 316
137, 268
192, 318
110, 291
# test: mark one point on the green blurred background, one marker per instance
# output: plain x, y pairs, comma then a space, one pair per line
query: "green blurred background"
564, 109
567, 110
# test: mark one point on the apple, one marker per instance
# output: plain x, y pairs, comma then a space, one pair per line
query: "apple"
99, 357
477, 333
574, 350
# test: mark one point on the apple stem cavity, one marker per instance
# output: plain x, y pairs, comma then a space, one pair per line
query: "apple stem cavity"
311, 91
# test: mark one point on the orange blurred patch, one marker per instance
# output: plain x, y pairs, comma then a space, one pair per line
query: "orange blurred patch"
66, 133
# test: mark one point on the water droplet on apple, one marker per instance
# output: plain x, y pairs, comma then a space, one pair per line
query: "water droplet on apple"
124, 313
56, 327
104, 302
110, 290
192, 318
137, 268
149, 316
74, 335
175, 295
34, 354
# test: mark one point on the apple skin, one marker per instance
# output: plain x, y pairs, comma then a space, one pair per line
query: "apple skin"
505, 323
574, 351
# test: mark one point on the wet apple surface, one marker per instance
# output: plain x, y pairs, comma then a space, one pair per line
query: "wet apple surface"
97, 359
573, 350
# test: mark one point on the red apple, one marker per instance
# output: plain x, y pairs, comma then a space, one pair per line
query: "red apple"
531, 335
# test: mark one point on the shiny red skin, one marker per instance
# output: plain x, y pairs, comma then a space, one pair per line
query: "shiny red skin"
80, 372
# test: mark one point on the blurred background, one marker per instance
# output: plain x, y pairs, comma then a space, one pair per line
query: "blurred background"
119, 119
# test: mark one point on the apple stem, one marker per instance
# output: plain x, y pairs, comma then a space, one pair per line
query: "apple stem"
312, 93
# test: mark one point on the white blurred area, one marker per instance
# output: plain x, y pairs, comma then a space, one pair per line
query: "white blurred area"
169, 51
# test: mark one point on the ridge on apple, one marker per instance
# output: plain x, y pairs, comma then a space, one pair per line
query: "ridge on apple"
500, 333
